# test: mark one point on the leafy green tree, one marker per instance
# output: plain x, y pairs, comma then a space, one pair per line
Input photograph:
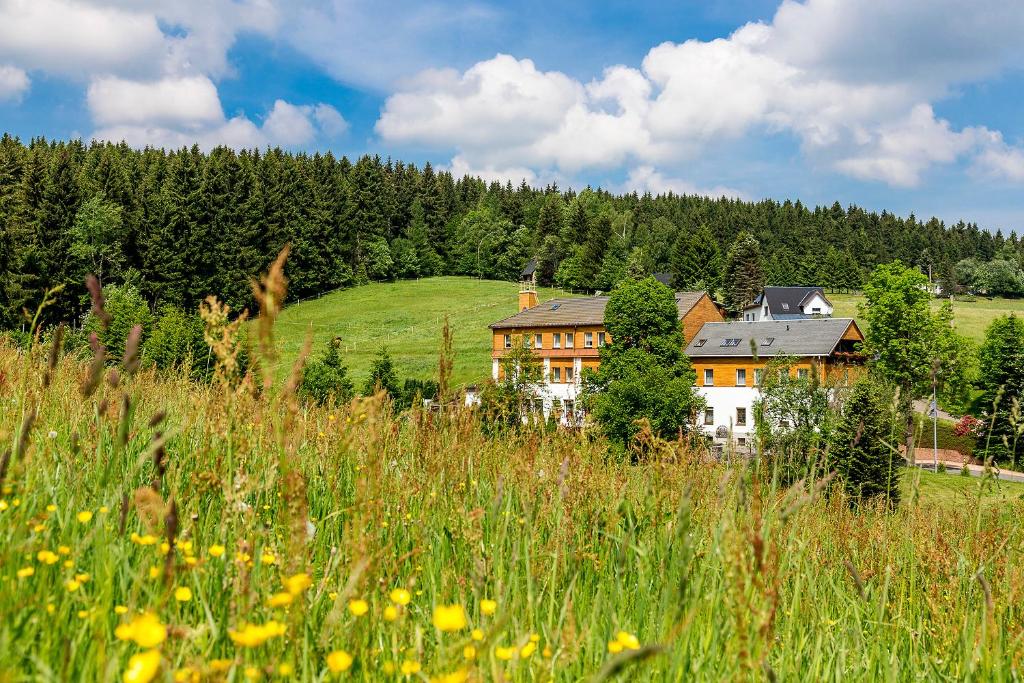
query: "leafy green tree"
508, 402
1001, 381
908, 344
793, 418
176, 343
744, 275
644, 374
863, 448
126, 308
325, 381
382, 377
97, 237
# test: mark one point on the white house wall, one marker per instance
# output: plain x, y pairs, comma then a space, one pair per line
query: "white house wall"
725, 401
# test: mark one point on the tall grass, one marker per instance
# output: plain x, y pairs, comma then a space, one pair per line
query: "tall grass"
672, 569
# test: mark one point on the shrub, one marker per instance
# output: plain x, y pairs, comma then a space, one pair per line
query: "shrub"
176, 342
862, 448
127, 308
326, 381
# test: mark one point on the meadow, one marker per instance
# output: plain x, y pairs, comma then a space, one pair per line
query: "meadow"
157, 529
406, 317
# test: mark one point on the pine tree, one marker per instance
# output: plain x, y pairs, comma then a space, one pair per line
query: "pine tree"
696, 261
744, 276
551, 217
56, 217
862, 453
382, 376
1001, 380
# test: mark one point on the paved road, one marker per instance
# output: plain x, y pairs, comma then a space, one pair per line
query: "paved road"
953, 468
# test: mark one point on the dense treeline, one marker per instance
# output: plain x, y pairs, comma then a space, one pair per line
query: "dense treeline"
183, 224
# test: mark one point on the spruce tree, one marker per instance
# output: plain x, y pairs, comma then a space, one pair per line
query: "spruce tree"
1001, 380
382, 376
863, 447
696, 261
56, 217
744, 275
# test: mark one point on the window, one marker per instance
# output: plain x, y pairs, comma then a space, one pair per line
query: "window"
568, 374
816, 311
588, 340
767, 341
699, 343
709, 416
741, 377
600, 338
741, 441
556, 340
709, 377
570, 408
741, 417
766, 310
802, 373
730, 342
757, 377
785, 306
556, 374
570, 340
508, 341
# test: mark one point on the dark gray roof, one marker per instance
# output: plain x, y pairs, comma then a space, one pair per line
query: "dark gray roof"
786, 300
579, 311
804, 337
663, 278
529, 269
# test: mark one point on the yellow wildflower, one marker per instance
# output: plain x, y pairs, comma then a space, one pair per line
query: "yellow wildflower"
46, 557
3, 505
400, 596
81, 578
297, 583
142, 667
339, 661
358, 607
253, 635
267, 558
488, 607
285, 669
449, 618
528, 650
504, 653
457, 676
26, 572
216, 550
390, 613
280, 599
182, 593
50, 608
120, 609
51, 508
469, 652
144, 630
85, 516
104, 509
186, 675
148, 539
476, 634
627, 640
221, 665
63, 550
547, 652
252, 673
410, 667
614, 647
72, 585
154, 572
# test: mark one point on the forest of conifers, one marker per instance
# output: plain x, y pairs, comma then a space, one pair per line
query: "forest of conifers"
184, 224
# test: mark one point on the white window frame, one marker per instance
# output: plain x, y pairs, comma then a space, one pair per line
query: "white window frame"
802, 373
741, 373
758, 376
570, 340
600, 339
588, 340
556, 340
709, 373
709, 416
508, 341
538, 341
556, 374
741, 409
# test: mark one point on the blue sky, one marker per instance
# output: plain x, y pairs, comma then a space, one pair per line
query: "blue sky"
910, 106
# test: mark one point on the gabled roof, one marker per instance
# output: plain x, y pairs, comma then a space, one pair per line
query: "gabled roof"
784, 301
529, 269
663, 278
579, 311
801, 338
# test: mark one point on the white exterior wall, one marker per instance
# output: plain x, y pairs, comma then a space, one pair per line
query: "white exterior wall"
817, 301
725, 401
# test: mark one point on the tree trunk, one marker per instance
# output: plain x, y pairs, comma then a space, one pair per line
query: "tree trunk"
907, 403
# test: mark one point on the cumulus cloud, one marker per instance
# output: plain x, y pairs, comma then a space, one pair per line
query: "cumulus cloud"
13, 82
177, 112
648, 179
808, 75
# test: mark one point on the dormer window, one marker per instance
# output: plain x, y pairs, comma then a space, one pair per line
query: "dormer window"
785, 306
699, 343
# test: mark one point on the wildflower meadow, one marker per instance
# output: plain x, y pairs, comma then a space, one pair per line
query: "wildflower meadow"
153, 528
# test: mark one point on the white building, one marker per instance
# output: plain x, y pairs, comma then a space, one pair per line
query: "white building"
788, 303
730, 359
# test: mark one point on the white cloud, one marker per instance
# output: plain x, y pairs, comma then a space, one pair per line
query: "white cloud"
1002, 161
807, 74
13, 82
330, 120
648, 179
189, 102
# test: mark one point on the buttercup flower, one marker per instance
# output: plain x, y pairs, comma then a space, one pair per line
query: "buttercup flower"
182, 594
253, 635
449, 618
488, 607
339, 661
280, 599
358, 607
142, 667
144, 630
216, 550
297, 583
400, 596
85, 516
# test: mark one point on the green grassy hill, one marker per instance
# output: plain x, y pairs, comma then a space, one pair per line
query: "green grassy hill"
972, 316
406, 317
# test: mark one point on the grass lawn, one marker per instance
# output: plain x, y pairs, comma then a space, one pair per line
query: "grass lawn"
972, 317
406, 317
953, 490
